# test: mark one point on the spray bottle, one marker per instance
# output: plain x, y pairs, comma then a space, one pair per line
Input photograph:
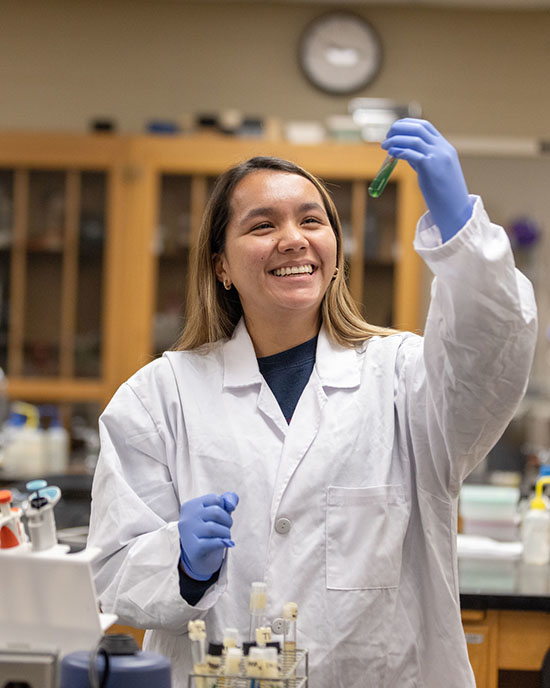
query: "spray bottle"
24, 449
536, 528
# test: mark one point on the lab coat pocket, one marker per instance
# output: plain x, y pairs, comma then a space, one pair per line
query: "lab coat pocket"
365, 528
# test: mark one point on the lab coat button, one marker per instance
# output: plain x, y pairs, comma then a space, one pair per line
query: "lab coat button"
278, 626
282, 525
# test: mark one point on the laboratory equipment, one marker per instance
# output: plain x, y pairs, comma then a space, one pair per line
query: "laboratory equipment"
38, 510
51, 613
258, 601
117, 662
535, 528
12, 533
256, 667
382, 177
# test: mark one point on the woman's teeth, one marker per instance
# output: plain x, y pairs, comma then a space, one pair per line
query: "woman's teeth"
282, 272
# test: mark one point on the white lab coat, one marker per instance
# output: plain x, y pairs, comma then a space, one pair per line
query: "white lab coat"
368, 473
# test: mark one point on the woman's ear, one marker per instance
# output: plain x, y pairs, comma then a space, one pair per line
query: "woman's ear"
218, 260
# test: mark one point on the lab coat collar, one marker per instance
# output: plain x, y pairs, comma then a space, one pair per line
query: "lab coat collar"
337, 366
240, 366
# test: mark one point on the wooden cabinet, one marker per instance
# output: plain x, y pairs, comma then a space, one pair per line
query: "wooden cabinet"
95, 234
481, 633
505, 640
60, 242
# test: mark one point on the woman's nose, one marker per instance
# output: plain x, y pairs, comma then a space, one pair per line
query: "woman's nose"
291, 239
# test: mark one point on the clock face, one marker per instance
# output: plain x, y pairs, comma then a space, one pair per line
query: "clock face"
340, 53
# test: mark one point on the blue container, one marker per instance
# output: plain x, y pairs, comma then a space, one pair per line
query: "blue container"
133, 669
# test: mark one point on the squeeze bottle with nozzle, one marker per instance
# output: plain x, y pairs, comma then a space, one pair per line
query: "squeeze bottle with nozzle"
536, 528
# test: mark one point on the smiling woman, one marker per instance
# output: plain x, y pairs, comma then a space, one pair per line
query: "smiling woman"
347, 443
266, 215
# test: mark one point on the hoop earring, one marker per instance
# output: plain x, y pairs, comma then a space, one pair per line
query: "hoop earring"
227, 284
335, 273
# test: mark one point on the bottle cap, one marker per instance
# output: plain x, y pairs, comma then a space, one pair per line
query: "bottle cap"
5, 497
290, 610
247, 646
275, 644
215, 649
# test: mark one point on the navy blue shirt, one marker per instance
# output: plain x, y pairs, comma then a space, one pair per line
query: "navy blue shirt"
287, 374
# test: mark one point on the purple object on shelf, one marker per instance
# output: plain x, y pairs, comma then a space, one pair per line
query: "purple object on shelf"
524, 232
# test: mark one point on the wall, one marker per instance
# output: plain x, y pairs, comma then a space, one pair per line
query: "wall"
475, 72
63, 62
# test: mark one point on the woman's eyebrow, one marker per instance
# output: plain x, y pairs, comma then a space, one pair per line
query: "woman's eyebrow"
257, 212
269, 210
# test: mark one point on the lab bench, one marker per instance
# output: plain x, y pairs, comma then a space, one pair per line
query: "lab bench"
506, 617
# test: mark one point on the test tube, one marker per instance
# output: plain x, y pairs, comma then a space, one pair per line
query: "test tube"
232, 667
197, 636
378, 184
258, 601
230, 638
290, 615
270, 668
254, 664
214, 663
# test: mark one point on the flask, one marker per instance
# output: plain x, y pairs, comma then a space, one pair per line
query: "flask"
536, 528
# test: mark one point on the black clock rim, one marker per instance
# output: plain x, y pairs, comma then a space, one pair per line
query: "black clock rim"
301, 51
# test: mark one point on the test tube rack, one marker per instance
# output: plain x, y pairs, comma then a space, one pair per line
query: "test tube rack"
291, 675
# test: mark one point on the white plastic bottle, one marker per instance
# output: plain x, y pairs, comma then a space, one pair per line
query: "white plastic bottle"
536, 529
56, 441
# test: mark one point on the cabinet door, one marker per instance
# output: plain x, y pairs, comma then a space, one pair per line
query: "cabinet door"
477, 638
52, 233
182, 201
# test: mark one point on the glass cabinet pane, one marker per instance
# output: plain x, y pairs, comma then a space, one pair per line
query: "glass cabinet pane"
173, 243
341, 193
44, 268
6, 239
91, 243
42, 314
47, 205
380, 251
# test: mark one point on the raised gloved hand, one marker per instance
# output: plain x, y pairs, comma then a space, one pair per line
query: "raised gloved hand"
439, 173
204, 527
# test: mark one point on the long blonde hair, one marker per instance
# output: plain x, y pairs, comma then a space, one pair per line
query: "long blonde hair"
213, 312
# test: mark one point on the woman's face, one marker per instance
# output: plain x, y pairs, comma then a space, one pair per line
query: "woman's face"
280, 249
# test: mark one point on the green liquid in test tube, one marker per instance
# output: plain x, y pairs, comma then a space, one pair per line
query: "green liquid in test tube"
378, 184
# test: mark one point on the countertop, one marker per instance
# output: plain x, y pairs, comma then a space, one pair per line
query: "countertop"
494, 584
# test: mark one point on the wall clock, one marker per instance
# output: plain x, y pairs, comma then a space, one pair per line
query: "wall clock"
340, 52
